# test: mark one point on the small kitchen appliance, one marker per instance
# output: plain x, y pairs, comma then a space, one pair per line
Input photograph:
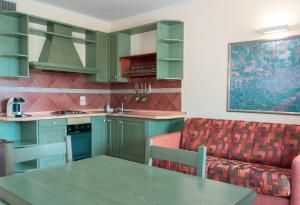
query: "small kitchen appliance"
14, 107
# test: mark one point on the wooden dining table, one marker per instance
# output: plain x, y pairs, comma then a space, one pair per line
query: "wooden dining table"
106, 180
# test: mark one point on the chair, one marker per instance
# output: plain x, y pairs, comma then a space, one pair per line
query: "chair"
39, 151
190, 158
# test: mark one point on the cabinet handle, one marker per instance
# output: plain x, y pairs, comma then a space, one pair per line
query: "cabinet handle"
120, 122
115, 77
53, 122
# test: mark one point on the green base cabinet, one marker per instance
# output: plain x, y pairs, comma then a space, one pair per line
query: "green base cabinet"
52, 131
112, 137
99, 128
126, 137
131, 132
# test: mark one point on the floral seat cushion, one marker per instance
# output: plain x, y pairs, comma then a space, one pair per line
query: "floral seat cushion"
183, 168
263, 179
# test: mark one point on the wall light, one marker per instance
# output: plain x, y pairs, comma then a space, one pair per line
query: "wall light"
274, 29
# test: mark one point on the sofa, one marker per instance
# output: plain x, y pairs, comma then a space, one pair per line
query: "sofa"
260, 156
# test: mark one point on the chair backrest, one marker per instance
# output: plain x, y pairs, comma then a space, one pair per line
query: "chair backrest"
190, 158
47, 150
36, 152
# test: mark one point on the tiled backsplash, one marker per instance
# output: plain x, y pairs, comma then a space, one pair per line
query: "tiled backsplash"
48, 91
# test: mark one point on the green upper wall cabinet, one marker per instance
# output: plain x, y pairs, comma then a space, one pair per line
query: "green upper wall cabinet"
119, 46
13, 45
102, 50
170, 50
101, 55
110, 47
169, 47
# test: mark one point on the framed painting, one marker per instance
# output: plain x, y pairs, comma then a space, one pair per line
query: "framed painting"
264, 76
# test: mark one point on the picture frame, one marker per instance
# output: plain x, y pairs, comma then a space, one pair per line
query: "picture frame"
264, 76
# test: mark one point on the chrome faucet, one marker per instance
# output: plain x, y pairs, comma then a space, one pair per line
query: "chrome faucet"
123, 99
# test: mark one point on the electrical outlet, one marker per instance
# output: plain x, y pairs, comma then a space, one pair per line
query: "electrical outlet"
82, 100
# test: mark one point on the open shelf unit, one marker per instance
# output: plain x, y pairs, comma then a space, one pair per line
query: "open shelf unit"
167, 63
13, 45
22, 134
143, 65
170, 50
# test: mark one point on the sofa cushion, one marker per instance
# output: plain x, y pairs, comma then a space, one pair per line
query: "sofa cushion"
263, 179
195, 133
266, 143
182, 168
216, 135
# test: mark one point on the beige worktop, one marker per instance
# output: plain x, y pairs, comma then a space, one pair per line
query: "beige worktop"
144, 114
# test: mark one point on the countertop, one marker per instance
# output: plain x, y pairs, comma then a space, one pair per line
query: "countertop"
144, 114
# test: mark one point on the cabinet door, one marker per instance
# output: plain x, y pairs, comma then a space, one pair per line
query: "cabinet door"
102, 59
112, 137
98, 136
119, 46
48, 135
133, 142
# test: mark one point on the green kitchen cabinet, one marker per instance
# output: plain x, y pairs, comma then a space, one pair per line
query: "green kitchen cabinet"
170, 50
22, 134
127, 136
132, 139
13, 45
102, 58
113, 140
52, 131
99, 137
119, 44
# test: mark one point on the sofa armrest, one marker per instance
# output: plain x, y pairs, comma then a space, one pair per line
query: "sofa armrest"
295, 182
170, 140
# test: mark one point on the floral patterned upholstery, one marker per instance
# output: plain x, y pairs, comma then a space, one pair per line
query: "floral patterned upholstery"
214, 134
263, 179
250, 154
181, 167
266, 143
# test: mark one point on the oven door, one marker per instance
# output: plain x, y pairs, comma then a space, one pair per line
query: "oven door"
81, 145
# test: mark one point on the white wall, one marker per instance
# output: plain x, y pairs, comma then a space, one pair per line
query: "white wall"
47, 11
209, 26
54, 13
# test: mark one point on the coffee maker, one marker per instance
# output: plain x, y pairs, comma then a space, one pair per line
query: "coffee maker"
14, 107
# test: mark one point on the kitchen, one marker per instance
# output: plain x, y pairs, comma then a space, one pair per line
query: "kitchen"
87, 84
149, 102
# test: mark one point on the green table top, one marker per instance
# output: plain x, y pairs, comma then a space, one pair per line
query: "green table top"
107, 180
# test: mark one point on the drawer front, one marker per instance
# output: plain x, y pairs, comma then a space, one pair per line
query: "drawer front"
52, 122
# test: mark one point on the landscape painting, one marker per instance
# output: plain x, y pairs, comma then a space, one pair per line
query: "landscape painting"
264, 76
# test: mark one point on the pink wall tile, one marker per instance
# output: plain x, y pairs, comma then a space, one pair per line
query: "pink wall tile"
56, 101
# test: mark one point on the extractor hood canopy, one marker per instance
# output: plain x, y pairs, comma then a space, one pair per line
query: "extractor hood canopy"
59, 52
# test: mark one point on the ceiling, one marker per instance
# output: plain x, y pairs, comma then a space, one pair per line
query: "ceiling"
111, 10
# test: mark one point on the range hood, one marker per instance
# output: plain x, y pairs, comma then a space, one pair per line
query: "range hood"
59, 52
